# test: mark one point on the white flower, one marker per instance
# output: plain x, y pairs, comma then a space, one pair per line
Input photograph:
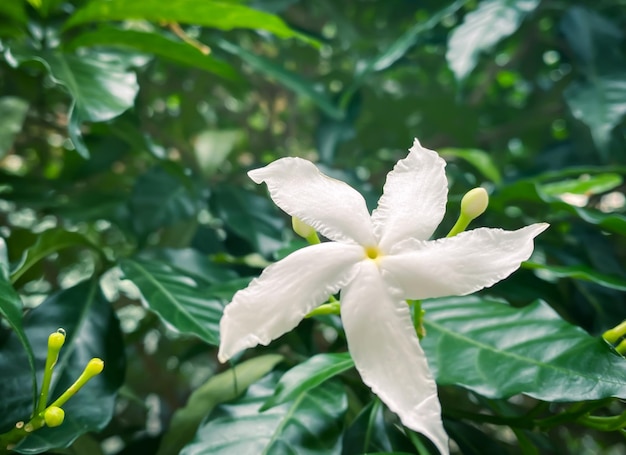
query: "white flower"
377, 262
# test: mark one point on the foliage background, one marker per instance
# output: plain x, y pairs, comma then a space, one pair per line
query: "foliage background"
127, 128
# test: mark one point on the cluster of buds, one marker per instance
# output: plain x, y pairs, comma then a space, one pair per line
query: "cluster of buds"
617, 336
51, 415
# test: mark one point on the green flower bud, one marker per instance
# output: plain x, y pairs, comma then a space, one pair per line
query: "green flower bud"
474, 203
54, 416
56, 340
94, 367
304, 230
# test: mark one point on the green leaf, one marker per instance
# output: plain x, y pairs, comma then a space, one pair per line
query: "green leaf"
250, 216
311, 424
479, 159
587, 185
308, 375
12, 112
482, 29
212, 147
223, 15
48, 242
287, 78
499, 351
156, 44
578, 273
218, 389
177, 299
11, 310
164, 196
92, 331
600, 103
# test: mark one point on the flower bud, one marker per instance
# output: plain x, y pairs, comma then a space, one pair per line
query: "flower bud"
474, 203
94, 367
301, 228
54, 416
56, 340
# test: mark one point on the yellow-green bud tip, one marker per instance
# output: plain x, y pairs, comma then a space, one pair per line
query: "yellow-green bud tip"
54, 416
56, 340
94, 367
301, 228
474, 203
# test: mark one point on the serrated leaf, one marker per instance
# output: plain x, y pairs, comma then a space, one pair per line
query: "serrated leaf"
499, 351
578, 273
308, 375
156, 44
223, 15
477, 158
309, 425
92, 331
218, 389
12, 112
177, 299
289, 79
482, 29
48, 242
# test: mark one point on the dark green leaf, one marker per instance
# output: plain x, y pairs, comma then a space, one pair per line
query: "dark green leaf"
224, 15
177, 299
250, 216
48, 242
92, 331
156, 44
579, 273
12, 112
308, 375
218, 389
482, 29
499, 351
311, 424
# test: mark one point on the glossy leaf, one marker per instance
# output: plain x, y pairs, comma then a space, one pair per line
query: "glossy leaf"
579, 273
218, 389
48, 242
587, 185
223, 15
482, 29
499, 351
177, 299
12, 112
477, 158
92, 331
308, 375
250, 216
162, 197
156, 44
310, 425
11, 309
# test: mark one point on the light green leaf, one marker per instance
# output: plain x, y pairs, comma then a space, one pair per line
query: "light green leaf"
218, 389
482, 29
499, 351
578, 273
12, 112
212, 147
223, 15
177, 299
287, 78
156, 44
308, 375
600, 103
311, 424
479, 159
586, 185
49, 242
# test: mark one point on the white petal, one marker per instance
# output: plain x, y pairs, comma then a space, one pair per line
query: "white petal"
387, 354
414, 198
286, 291
332, 207
458, 265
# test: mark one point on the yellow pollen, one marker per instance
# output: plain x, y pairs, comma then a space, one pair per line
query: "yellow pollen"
372, 252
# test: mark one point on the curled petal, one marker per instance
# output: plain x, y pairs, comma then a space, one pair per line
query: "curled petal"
387, 354
330, 206
286, 291
414, 198
458, 265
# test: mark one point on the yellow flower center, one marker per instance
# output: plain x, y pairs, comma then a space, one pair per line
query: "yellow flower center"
372, 252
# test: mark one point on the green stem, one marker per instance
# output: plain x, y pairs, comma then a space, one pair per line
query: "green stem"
461, 224
325, 309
